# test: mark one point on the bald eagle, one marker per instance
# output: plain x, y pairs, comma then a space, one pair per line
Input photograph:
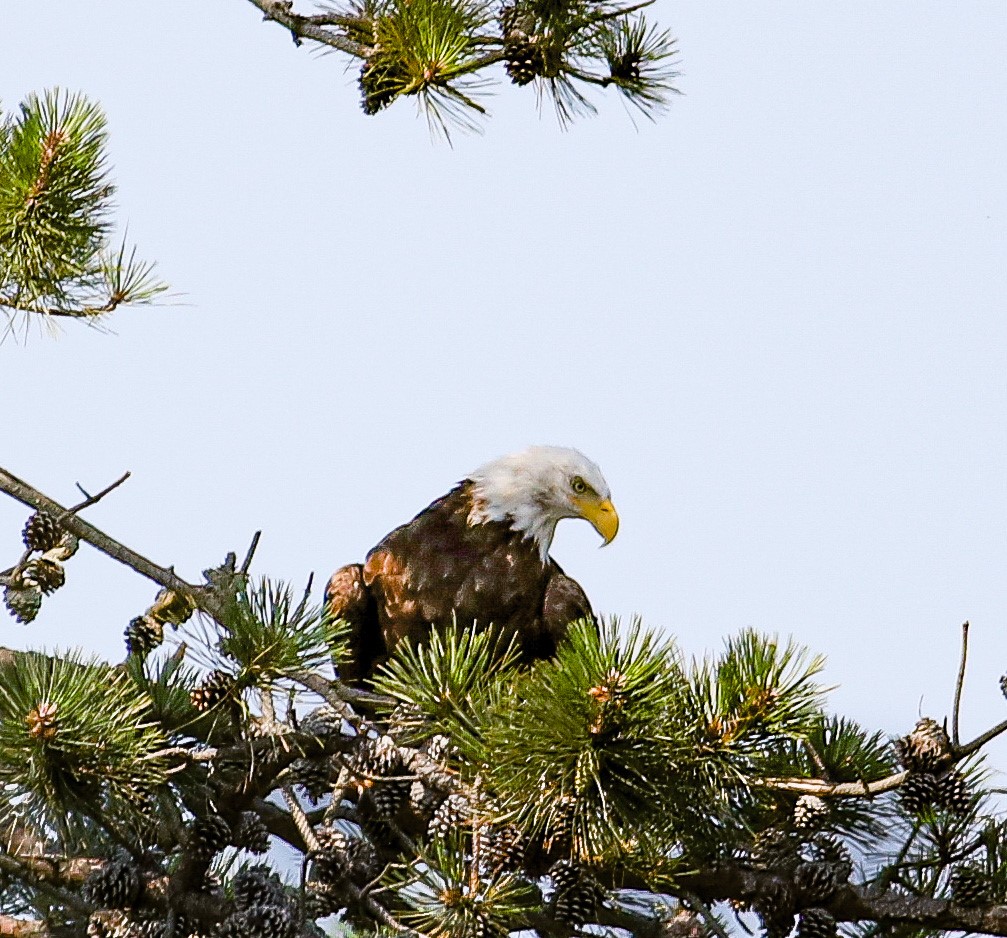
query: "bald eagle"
479, 554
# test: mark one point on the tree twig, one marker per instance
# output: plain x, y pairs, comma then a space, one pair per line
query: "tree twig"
959, 684
303, 27
247, 562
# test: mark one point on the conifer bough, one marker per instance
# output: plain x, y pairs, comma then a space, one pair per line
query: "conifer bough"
57, 259
617, 785
439, 51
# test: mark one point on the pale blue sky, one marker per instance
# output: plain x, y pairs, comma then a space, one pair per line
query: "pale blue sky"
775, 318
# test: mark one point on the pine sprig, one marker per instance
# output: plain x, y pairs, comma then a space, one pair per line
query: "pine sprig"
640, 59
593, 735
756, 690
270, 635
446, 896
74, 733
429, 49
56, 203
453, 680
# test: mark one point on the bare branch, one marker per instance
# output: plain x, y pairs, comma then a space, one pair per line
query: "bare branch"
824, 789
247, 562
309, 27
90, 500
959, 684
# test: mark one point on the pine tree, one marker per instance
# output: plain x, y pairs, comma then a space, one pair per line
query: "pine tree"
617, 785
57, 258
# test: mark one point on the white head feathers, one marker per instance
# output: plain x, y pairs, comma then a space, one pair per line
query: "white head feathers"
536, 488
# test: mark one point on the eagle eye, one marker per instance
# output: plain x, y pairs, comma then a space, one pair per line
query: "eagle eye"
578, 485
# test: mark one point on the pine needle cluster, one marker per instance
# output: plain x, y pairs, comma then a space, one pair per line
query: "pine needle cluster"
57, 258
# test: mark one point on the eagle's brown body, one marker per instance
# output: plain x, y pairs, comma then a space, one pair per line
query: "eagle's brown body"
444, 565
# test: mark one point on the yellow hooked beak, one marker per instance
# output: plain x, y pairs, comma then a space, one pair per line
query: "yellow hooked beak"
601, 514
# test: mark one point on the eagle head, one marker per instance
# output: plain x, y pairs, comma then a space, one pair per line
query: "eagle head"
535, 489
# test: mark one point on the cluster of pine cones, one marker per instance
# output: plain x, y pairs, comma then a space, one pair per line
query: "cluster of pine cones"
933, 783
260, 908
41, 572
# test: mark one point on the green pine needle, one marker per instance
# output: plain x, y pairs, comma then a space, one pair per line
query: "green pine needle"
453, 679
427, 48
639, 58
757, 690
56, 203
446, 896
589, 743
272, 635
75, 733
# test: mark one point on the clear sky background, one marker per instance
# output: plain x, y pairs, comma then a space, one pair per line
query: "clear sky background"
775, 318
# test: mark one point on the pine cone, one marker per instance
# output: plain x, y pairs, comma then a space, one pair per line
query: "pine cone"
47, 575
576, 897
23, 602
43, 721
774, 849
504, 849
775, 908
404, 719
386, 796
951, 793
332, 862
322, 722
970, 885
209, 835
375, 756
314, 776
116, 885
251, 834
214, 689
344, 856
626, 67
438, 748
41, 532
453, 812
817, 881
143, 635
171, 608
829, 849
816, 923
810, 812
925, 749
560, 829
257, 886
115, 924
259, 921
380, 83
917, 792
524, 57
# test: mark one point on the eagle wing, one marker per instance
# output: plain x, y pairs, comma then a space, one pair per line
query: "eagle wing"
564, 602
347, 597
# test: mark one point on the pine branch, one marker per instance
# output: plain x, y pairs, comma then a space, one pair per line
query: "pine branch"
853, 903
433, 49
164, 576
56, 260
